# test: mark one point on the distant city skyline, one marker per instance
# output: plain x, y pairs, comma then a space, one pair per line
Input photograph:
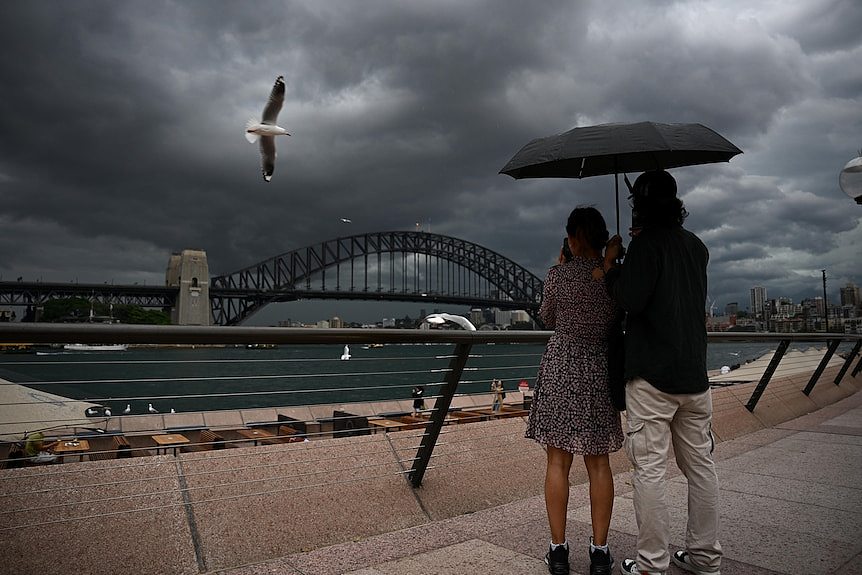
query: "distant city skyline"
373, 312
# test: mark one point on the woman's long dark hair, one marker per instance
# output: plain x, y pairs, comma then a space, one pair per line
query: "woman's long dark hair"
590, 221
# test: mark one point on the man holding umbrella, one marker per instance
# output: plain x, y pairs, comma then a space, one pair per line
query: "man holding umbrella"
662, 286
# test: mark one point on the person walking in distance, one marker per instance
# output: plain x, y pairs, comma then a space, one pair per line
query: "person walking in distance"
662, 285
418, 395
571, 412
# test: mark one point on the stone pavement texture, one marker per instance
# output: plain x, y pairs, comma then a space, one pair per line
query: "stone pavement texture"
791, 502
790, 473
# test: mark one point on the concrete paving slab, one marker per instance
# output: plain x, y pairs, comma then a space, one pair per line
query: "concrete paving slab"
25, 409
829, 464
827, 496
474, 556
251, 504
462, 458
223, 419
785, 551
142, 423
81, 517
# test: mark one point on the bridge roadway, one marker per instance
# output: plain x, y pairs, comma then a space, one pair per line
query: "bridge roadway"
791, 502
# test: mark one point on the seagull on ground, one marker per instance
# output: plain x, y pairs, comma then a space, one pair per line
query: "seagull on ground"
151, 409
346, 354
441, 318
173, 410
266, 130
107, 412
128, 409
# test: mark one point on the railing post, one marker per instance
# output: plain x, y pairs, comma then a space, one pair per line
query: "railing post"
850, 357
830, 349
857, 368
441, 409
767, 375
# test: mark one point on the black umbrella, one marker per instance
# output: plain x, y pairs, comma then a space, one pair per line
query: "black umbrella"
619, 148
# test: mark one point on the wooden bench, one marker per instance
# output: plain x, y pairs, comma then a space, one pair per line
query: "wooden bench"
288, 434
115, 447
124, 449
212, 438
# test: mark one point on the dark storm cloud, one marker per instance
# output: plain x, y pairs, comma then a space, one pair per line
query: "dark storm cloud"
122, 127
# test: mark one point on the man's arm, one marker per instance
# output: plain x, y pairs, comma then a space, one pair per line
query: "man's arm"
633, 283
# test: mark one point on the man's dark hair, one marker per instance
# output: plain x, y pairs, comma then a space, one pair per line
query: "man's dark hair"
591, 222
654, 201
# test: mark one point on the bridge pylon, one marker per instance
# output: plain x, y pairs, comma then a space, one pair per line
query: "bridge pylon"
189, 271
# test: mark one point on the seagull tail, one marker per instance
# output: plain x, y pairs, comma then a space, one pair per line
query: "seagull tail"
251, 136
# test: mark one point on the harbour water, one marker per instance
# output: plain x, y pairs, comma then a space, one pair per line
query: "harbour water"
211, 378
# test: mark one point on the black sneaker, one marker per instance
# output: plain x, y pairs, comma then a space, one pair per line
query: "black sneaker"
558, 560
630, 567
601, 562
681, 559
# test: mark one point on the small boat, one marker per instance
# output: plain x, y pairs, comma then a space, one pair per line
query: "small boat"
96, 347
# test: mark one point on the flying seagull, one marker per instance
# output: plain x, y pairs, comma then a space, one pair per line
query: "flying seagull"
346, 220
266, 129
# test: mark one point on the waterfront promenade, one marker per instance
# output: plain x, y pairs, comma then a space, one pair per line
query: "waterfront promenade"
791, 503
790, 475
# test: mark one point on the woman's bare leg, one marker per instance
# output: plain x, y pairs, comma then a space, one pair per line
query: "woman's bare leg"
557, 491
601, 495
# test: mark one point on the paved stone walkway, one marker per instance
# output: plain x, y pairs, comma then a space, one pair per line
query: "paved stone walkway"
791, 504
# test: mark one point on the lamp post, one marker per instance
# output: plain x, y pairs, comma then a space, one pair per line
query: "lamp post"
825, 303
850, 179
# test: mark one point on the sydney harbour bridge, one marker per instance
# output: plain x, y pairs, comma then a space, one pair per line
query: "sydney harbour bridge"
408, 266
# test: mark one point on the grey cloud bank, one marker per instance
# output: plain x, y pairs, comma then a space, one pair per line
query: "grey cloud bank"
122, 127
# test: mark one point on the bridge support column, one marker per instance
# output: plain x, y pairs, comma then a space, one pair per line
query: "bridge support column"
189, 271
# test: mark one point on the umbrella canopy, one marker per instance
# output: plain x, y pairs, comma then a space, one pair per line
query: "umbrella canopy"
619, 148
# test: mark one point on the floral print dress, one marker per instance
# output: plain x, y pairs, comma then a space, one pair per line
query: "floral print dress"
571, 407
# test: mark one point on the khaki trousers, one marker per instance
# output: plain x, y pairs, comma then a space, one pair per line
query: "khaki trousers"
654, 419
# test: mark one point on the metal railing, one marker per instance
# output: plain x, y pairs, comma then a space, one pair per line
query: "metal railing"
453, 380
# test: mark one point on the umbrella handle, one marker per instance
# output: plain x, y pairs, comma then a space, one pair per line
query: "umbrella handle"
617, 190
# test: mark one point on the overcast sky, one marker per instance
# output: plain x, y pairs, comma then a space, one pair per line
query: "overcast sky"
121, 129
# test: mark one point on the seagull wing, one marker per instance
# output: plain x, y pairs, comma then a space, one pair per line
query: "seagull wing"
276, 99
267, 156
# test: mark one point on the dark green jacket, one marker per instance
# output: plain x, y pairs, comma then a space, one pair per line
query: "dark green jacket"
662, 286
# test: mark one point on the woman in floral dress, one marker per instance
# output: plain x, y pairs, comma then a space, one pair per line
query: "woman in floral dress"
571, 411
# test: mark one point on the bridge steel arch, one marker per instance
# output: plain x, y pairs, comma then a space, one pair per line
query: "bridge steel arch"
443, 269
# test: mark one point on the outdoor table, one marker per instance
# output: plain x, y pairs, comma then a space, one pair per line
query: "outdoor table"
255, 435
386, 425
171, 440
71, 446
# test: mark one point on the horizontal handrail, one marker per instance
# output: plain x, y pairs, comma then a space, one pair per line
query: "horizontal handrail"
44, 333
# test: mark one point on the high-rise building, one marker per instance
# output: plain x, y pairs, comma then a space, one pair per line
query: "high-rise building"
477, 318
758, 302
502, 316
850, 295
731, 309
